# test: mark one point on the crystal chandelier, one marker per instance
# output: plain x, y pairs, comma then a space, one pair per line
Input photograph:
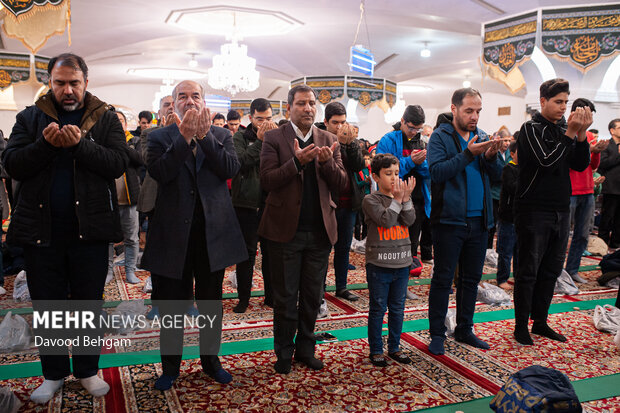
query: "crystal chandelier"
233, 71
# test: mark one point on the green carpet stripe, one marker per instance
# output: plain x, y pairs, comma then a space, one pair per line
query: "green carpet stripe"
260, 293
33, 368
595, 388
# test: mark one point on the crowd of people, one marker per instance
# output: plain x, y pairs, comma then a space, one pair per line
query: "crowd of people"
298, 189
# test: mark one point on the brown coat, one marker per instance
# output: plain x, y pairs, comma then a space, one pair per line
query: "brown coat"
283, 182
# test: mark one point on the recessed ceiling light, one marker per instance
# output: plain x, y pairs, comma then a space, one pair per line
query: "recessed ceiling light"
466, 83
426, 52
193, 62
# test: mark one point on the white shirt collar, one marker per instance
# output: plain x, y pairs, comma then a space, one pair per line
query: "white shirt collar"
300, 135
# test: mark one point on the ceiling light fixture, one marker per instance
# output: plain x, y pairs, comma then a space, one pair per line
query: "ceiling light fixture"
233, 71
193, 62
426, 52
466, 83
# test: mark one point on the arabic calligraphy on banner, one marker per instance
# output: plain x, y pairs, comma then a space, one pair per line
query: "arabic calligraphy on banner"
583, 36
510, 42
18, 7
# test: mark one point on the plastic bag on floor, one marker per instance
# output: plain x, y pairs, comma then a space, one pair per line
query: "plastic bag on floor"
358, 246
148, 286
615, 283
617, 340
607, 318
9, 403
14, 333
20, 288
232, 277
491, 258
130, 310
565, 285
450, 322
492, 294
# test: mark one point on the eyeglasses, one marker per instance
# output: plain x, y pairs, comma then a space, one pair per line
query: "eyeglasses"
412, 128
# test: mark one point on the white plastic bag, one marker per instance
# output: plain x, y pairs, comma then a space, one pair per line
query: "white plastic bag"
358, 246
450, 322
491, 258
14, 333
9, 403
130, 310
148, 286
607, 318
565, 285
614, 283
20, 288
232, 277
492, 294
617, 340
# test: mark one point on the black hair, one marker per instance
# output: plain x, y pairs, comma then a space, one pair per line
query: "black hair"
334, 109
382, 161
282, 122
612, 124
582, 103
365, 153
414, 114
515, 135
219, 116
594, 131
68, 60
122, 114
513, 146
259, 105
553, 87
145, 114
233, 115
299, 88
460, 94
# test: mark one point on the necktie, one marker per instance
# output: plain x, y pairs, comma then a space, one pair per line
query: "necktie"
192, 146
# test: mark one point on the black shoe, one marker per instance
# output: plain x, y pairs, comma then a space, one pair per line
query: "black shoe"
311, 362
347, 295
523, 336
268, 303
543, 329
400, 357
282, 366
378, 360
241, 307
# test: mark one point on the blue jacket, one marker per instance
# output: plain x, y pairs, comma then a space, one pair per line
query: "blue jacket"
447, 163
392, 143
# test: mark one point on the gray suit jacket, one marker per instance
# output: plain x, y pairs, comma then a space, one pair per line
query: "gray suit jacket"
171, 163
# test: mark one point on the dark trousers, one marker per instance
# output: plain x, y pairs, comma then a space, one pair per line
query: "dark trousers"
466, 246
248, 221
345, 219
420, 234
266, 269
506, 250
609, 229
361, 229
68, 269
492, 230
542, 237
297, 268
208, 287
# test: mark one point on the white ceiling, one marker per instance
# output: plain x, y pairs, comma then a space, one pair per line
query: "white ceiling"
115, 35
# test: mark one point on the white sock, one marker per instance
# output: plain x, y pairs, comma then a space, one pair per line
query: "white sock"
46, 390
95, 385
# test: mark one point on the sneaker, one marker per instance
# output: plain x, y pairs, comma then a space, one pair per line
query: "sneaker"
351, 267
323, 310
578, 279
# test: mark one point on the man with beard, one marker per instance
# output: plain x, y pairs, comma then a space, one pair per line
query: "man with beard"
247, 195
194, 234
461, 160
66, 151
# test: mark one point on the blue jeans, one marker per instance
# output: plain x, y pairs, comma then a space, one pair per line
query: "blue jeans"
506, 250
465, 245
129, 225
582, 214
346, 220
387, 288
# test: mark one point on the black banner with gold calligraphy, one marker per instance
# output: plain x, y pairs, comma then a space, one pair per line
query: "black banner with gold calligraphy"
14, 68
510, 42
18, 7
582, 35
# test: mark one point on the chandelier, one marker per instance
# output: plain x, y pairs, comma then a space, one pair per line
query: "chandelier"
233, 71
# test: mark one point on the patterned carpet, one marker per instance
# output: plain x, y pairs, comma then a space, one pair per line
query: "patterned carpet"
349, 382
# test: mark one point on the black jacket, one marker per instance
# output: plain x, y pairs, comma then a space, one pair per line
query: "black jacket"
246, 190
510, 174
610, 168
545, 156
99, 158
132, 175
